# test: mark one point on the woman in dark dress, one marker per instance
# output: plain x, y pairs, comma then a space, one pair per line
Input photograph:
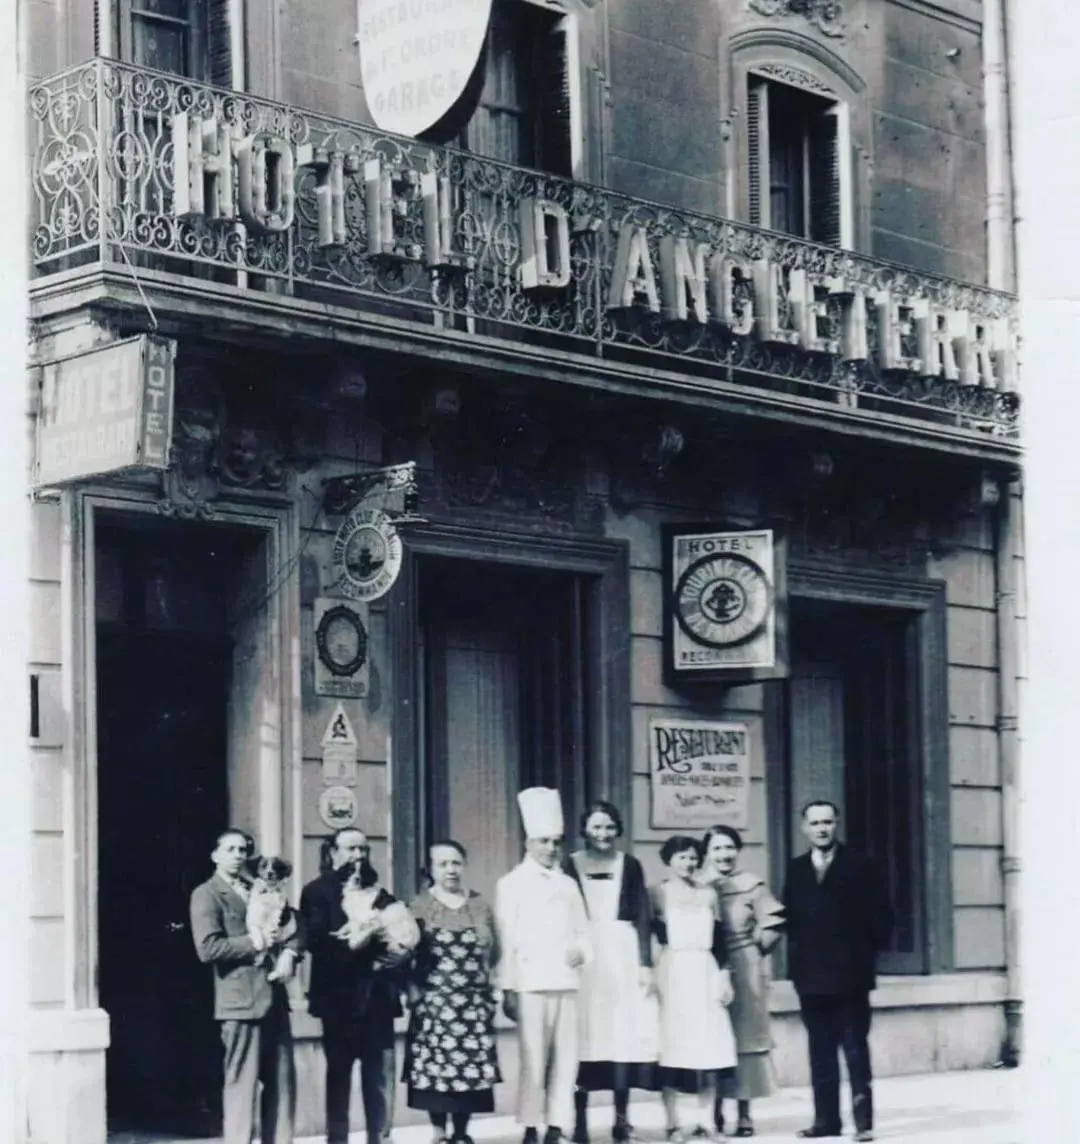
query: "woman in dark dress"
451, 1066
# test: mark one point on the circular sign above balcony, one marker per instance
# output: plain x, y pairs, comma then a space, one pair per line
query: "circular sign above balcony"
417, 58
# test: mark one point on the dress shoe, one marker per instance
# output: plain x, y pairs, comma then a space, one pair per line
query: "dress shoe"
553, 1136
818, 1131
530, 1137
744, 1127
864, 1134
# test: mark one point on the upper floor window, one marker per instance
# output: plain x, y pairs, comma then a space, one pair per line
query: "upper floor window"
189, 38
799, 162
528, 111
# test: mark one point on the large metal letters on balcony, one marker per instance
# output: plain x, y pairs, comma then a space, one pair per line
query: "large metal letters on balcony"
140, 168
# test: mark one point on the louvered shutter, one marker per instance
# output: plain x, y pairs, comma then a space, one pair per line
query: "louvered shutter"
757, 147
219, 45
824, 178
555, 100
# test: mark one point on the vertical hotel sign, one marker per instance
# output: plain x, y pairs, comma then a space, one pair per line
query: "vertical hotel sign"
726, 608
106, 410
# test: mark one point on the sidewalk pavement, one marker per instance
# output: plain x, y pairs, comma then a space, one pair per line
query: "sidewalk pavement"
977, 1107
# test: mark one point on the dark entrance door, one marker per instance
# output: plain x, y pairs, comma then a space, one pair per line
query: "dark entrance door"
506, 688
163, 676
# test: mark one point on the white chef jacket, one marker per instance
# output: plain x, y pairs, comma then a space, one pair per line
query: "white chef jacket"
541, 918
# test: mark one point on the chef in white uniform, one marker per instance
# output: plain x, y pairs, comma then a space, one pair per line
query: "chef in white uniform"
544, 942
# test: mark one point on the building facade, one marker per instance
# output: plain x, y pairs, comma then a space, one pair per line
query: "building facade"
734, 267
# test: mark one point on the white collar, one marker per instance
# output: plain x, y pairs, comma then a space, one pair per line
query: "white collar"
533, 867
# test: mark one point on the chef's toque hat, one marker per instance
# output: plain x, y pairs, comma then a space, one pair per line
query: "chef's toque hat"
541, 812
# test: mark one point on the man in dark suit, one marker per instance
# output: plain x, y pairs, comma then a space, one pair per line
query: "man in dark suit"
355, 990
838, 919
253, 1012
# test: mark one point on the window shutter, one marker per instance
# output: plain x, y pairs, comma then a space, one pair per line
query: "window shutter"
825, 179
219, 45
555, 101
757, 145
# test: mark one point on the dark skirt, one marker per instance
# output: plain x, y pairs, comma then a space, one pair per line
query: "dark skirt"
693, 1081
452, 1103
616, 1076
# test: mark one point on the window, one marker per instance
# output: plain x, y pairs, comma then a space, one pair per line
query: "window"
855, 732
799, 162
528, 111
185, 37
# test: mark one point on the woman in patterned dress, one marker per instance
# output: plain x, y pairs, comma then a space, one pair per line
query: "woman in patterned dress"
697, 1045
753, 921
451, 1066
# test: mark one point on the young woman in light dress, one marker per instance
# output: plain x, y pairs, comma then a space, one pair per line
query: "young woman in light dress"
697, 1044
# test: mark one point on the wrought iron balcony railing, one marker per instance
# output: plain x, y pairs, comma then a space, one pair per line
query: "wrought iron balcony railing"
151, 170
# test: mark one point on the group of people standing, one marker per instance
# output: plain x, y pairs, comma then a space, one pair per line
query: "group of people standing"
613, 984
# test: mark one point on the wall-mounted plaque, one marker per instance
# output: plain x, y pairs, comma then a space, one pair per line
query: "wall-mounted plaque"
699, 774
367, 554
725, 613
341, 648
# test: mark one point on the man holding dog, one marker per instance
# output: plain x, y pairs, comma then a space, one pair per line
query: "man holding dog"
355, 987
252, 1010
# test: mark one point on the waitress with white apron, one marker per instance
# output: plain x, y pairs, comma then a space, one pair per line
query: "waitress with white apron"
618, 1007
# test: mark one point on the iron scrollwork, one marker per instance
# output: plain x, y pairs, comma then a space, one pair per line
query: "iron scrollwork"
103, 188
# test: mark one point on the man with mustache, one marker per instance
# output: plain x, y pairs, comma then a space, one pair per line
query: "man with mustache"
252, 1010
355, 986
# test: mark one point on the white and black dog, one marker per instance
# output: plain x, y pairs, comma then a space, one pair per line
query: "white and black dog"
271, 921
391, 928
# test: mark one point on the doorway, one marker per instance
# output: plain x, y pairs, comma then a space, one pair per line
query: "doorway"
168, 608
506, 683
855, 739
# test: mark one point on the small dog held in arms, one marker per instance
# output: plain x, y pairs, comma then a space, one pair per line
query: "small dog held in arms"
392, 929
269, 915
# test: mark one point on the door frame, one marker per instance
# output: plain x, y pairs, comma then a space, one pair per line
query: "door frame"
608, 649
925, 600
279, 811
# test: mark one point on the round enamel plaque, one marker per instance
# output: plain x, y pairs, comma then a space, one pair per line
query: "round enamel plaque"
367, 554
722, 600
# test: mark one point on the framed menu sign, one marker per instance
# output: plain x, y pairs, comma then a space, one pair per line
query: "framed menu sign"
725, 607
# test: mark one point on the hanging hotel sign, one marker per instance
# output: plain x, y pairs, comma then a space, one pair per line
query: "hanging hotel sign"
367, 554
416, 57
105, 410
725, 614
699, 774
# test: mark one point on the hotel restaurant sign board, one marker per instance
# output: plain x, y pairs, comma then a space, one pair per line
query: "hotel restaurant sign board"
699, 774
725, 614
411, 217
105, 410
416, 57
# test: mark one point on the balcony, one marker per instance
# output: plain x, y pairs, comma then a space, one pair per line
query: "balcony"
169, 185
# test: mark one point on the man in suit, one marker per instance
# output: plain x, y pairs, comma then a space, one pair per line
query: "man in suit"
252, 1011
355, 990
838, 919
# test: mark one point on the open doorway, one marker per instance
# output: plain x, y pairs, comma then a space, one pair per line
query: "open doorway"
173, 604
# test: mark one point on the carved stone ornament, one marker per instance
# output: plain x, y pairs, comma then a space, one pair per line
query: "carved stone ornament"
213, 451
794, 77
825, 15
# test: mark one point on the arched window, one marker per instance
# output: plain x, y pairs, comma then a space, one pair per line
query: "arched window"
801, 139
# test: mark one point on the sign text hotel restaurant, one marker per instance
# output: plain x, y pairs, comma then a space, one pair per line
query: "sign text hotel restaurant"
221, 175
